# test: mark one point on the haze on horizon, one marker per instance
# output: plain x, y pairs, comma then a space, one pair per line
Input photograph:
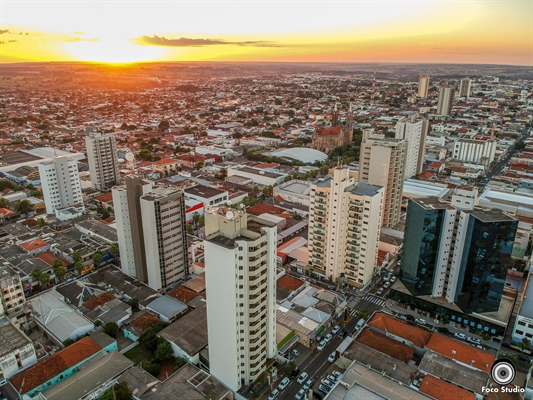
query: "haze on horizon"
449, 31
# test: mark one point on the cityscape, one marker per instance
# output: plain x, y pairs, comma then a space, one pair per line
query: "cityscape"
245, 213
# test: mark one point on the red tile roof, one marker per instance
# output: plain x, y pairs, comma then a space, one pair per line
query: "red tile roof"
33, 245
426, 175
263, 208
166, 161
183, 294
105, 198
145, 321
52, 366
461, 352
288, 282
329, 132
49, 257
398, 327
442, 390
98, 301
382, 343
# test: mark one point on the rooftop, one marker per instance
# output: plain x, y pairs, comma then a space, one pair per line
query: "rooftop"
205, 192
442, 390
398, 327
189, 333
10, 338
98, 301
364, 189
145, 321
167, 306
385, 345
289, 282
33, 245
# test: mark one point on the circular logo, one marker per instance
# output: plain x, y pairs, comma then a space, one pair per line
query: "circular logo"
503, 371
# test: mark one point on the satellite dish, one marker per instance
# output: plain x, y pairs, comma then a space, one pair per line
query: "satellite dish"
130, 156
229, 203
229, 215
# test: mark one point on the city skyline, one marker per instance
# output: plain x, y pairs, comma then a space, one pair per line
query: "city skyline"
389, 31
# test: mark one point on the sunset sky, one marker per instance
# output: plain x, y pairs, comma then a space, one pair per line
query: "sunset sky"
460, 31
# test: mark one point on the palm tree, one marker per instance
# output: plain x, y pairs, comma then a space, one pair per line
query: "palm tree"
36, 273
44, 280
4, 203
41, 222
76, 257
79, 267
60, 273
97, 258
196, 218
57, 263
114, 250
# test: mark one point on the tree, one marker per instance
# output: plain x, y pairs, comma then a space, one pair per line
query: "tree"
255, 189
120, 391
111, 328
526, 343
24, 207
267, 191
6, 184
41, 222
163, 125
76, 256
4, 203
164, 350
68, 342
134, 304
36, 273
57, 263
114, 250
152, 368
36, 193
145, 155
196, 218
79, 267
44, 280
199, 165
190, 229
97, 258
61, 272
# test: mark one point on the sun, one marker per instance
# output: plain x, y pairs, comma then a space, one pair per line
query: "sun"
113, 51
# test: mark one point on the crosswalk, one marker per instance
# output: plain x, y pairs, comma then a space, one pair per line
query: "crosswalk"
375, 300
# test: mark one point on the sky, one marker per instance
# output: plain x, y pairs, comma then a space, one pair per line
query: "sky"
423, 31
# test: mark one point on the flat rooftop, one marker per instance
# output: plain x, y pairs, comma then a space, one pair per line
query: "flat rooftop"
413, 188
10, 338
433, 203
189, 332
203, 191
298, 188
365, 189
18, 157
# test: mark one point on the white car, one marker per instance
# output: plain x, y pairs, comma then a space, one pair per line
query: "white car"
274, 395
328, 337
336, 374
335, 329
421, 321
327, 383
283, 384
303, 376
321, 345
393, 279
300, 395
380, 291
295, 352
473, 340
331, 357
308, 384
458, 335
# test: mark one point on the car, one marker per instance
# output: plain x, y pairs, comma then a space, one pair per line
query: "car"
342, 334
274, 395
328, 383
295, 352
458, 335
332, 378
444, 330
336, 374
324, 388
505, 344
410, 317
328, 337
294, 373
380, 291
473, 340
386, 285
283, 384
321, 345
335, 329
300, 395
303, 376
481, 347
386, 278
332, 357
420, 321
319, 394
393, 279
308, 384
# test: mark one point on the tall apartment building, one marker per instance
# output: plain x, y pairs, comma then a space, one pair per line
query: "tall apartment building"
60, 183
475, 151
240, 277
423, 86
382, 163
464, 88
445, 103
103, 160
151, 232
414, 130
460, 255
345, 219
165, 237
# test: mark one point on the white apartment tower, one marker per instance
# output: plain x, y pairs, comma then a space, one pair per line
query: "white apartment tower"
414, 130
445, 103
165, 237
345, 219
464, 88
240, 277
423, 86
60, 182
382, 163
475, 151
103, 160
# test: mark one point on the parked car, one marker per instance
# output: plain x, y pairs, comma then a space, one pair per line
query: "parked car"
321, 345
328, 337
410, 317
458, 335
336, 374
473, 340
324, 388
274, 395
283, 384
444, 330
300, 395
335, 329
295, 352
294, 373
386, 285
331, 357
393, 279
342, 334
319, 394
303, 376
308, 384
328, 383
420, 321
380, 291
332, 378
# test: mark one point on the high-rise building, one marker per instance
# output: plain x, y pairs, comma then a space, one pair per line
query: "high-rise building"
475, 151
165, 237
60, 183
423, 86
345, 219
464, 88
445, 103
103, 160
240, 278
130, 233
460, 255
414, 130
382, 163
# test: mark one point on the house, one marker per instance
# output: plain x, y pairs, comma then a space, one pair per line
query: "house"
139, 325
17, 351
167, 308
166, 166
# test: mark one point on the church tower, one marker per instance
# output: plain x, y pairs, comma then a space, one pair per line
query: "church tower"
348, 129
335, 117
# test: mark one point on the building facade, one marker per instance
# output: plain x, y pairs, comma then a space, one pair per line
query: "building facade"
165, 237
414, 130
60, 183
103, 160
445, 103
382, 163
475, 151
240, 277
345, 219
464, 88
423, 86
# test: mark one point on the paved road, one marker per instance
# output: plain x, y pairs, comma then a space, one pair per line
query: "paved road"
497, 169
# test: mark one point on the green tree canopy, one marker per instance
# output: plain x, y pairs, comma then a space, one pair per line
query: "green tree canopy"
164, 350
61, 272
24, 207
97, 258
4, 203
57, 263
120, 391
111, 328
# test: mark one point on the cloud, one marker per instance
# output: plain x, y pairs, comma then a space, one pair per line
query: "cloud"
12, 41
78, 33
188, 42
2, 31
2, 42
77, 39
